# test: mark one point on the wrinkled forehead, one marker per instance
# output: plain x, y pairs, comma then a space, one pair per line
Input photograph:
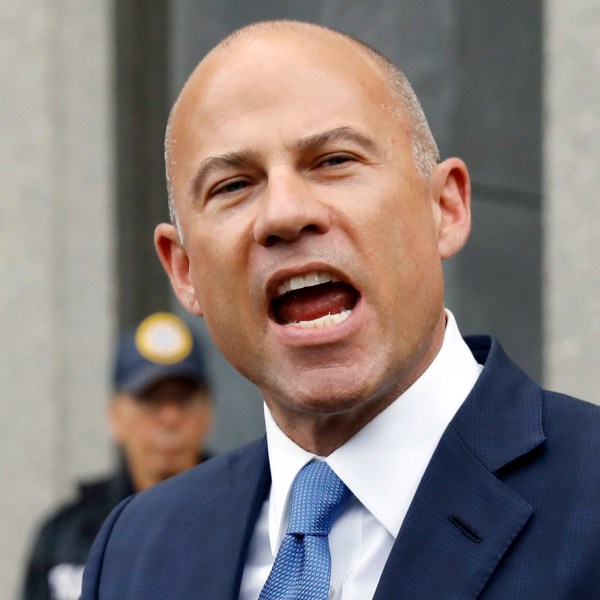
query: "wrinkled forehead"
276, 88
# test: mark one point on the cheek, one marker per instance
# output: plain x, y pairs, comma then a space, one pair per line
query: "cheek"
138, 437
122, 422
402, 248
217, 267
221, 277
139, 430
194, 432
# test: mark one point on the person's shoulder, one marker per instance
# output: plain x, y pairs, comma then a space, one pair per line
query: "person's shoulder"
165, 508
499, 368
94, 490
219, 466
87, 496
205, 481
567, 422
578, 420
72, 521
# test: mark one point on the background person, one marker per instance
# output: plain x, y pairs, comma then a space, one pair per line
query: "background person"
159, 416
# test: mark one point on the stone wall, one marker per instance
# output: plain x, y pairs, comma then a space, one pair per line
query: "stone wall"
57, 231
571, 216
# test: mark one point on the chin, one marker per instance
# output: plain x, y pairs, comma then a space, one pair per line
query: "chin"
332, 399
343, 393
168, 468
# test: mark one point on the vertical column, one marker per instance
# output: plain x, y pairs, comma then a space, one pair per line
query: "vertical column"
141, 111
572, 197
56, 298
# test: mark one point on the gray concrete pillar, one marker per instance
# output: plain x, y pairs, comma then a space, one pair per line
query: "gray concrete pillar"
56, 272
571, 214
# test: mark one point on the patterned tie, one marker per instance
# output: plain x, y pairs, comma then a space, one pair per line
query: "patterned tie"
302, 567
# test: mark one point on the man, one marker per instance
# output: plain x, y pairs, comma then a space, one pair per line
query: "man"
310, 217
159, 415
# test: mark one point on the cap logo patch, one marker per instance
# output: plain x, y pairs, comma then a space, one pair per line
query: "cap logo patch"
163, 338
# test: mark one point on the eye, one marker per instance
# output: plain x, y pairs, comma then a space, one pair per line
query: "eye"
229, 187
335, 160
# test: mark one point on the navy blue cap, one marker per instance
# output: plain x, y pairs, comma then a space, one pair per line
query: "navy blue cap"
161, 347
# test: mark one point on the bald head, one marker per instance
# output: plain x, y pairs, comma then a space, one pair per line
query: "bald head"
276, 36
299, 156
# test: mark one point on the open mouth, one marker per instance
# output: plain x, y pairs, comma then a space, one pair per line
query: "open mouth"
313, 300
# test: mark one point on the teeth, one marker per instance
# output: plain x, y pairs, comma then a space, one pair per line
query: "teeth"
302, 281
324, 321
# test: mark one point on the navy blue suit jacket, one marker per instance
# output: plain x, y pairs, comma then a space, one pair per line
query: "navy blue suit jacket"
509, 507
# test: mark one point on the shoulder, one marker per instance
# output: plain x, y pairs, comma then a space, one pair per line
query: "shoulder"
561, 405
191, 514
203, 483
89, 497
67, 533
571, 422
213, 470
507, 415
500, 373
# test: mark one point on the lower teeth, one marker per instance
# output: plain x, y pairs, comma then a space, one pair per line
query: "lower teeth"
324, 321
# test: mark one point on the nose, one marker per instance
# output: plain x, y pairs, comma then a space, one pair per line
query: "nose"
170, 413
288, 209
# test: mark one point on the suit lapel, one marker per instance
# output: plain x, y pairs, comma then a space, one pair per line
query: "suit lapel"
463, 518
224, 523
459, 525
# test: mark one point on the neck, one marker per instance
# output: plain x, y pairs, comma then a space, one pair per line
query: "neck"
323, 434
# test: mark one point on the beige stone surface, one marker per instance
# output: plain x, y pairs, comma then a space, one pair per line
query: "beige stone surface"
56, 291
572, 197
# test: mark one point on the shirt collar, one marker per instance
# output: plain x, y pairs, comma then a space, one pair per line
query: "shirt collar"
406, 433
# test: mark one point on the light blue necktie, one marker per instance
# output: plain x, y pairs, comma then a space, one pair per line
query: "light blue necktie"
302, 568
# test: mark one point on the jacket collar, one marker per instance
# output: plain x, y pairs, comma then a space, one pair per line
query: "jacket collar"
463, 518
501, 419
233, 503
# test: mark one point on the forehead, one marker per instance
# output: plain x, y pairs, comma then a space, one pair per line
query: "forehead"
295, 82
291, 55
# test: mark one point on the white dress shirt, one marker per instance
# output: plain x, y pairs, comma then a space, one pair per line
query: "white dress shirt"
382, 466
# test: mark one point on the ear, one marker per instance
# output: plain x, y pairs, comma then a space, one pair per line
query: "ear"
116, 420
176, 263
208, 415
451, 190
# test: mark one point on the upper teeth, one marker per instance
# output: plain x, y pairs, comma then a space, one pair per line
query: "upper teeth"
307, 280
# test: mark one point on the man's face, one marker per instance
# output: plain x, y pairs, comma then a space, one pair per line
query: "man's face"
290, 170
161, 431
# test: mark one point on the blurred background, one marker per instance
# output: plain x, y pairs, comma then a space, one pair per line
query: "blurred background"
512, 87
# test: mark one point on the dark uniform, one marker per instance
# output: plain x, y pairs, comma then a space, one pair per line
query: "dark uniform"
55, 566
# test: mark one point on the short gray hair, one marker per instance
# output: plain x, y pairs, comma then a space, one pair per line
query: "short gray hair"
169, 162
425, 150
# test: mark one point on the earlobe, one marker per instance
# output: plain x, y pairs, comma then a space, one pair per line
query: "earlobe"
451, 190
176, 264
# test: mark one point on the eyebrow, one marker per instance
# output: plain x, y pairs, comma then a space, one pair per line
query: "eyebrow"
235, 159
242, 158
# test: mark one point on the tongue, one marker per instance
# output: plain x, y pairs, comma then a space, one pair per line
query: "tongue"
314, 302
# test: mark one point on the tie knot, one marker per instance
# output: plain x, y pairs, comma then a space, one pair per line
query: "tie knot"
318, 496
